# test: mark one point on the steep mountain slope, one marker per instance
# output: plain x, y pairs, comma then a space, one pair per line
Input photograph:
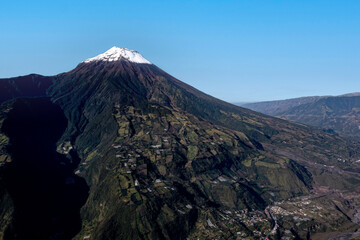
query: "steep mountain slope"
166, 161
6, 203
340, 113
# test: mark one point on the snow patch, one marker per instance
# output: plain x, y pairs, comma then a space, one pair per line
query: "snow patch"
116, 54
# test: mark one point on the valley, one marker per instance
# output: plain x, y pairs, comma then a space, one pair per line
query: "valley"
41, 182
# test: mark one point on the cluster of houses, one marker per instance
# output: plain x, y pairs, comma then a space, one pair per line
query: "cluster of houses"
257, 224
129, 159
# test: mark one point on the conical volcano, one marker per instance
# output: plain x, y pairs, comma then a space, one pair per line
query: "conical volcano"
164, 160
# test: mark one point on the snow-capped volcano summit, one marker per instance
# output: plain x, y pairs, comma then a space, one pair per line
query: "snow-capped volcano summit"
116, 54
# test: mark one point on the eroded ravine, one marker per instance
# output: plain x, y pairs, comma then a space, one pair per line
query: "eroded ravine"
47, 195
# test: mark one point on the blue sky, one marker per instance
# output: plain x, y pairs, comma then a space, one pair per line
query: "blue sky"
234, 50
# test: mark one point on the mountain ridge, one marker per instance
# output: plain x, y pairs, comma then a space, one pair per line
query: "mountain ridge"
335, 113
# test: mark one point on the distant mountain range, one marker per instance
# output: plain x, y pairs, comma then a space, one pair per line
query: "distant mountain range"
119, 149
338, 113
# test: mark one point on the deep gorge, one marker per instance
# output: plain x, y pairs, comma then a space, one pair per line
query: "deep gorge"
47, 195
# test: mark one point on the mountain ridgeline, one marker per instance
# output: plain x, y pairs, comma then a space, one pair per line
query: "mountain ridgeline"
333, 113
163, 160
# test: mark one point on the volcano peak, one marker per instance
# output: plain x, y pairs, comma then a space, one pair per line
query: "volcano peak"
117, 54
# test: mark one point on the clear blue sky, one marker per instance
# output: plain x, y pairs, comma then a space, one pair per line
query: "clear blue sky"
234, 50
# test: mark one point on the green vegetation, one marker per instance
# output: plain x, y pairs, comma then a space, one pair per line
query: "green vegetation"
266, 164
192, 152
3, 139
165, 161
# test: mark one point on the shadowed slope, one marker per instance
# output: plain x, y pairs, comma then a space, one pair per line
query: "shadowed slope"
32, 85
47, 195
